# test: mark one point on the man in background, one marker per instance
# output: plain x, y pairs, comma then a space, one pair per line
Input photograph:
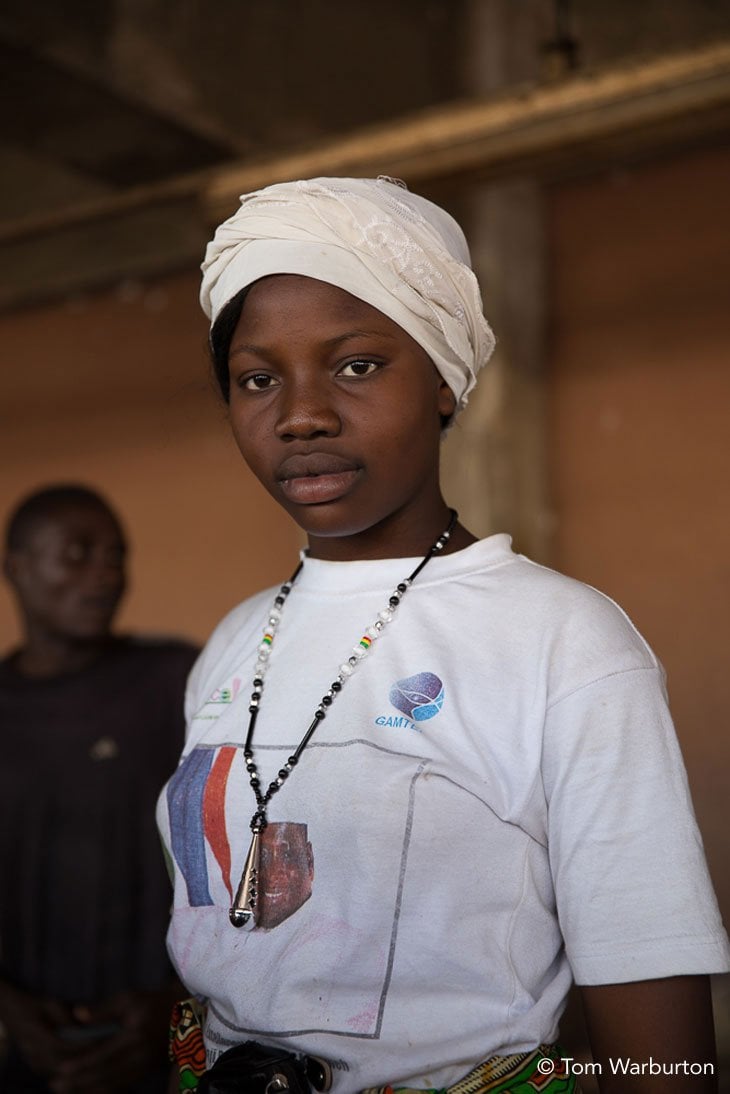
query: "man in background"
91, 726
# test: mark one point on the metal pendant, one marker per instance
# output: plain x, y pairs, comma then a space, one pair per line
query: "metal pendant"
243, 910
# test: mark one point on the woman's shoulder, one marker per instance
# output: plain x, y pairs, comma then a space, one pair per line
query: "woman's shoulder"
242, 625
546, 622
576, 625
247, 615
238, 630
529, 595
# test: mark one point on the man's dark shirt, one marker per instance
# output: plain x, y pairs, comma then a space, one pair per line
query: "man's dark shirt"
84, 894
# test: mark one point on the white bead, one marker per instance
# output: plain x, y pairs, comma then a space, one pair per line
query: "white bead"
264, 650
359, 652
345, 669
373, 632
386, 615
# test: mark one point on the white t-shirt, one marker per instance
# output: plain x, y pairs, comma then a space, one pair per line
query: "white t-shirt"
494, 804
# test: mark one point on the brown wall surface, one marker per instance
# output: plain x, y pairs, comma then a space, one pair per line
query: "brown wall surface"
640, 462
113, 391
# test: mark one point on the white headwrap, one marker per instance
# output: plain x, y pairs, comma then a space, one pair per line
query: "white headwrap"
395, 250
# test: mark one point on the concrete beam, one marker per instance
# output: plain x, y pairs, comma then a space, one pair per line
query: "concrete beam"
588, 119
500, 136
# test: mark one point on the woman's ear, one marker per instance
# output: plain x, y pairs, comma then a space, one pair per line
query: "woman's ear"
446, 401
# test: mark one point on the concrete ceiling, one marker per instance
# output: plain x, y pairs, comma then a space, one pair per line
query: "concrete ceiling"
100, 96
104, 98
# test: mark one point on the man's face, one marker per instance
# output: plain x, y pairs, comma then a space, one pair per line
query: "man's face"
287, 872
69, 575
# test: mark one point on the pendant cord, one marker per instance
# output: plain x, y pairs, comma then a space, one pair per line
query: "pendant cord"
243, 911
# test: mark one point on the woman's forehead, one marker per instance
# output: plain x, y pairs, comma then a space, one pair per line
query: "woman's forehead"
283, 301
286, 289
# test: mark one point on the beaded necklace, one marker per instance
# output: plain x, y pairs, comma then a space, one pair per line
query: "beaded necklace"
243, 912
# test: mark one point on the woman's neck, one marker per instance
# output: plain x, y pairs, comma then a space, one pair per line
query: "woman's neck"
398, 537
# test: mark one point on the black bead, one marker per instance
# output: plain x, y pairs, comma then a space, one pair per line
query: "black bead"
319, 715
327, 700
279, 601
292, 761
402, 587
247, 754
258, 682
253, 707
283, 774
337, 685
393, 601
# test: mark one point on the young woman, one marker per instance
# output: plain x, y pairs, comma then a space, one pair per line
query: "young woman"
426, 783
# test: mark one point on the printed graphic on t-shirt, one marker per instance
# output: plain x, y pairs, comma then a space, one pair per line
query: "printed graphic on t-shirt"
196, 800
419, 697
322, 905
196, 803
219, 698
286, 872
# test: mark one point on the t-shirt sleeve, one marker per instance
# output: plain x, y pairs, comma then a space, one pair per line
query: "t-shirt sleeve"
634, 897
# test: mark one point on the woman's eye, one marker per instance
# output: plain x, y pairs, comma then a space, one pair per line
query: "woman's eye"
359, 368
260, 381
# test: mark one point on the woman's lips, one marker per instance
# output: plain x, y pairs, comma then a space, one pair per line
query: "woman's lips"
316, 478
315, 489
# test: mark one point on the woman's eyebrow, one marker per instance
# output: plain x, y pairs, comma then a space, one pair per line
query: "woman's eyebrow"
245, 347
340, 338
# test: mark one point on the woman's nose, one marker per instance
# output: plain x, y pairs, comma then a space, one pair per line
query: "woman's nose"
307, 410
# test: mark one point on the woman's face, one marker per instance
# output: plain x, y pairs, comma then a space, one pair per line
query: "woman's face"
337, 411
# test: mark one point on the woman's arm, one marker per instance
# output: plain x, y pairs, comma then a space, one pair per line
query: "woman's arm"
654, 1023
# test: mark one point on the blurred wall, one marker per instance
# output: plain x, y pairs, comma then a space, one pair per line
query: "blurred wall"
113, 391
639, 389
